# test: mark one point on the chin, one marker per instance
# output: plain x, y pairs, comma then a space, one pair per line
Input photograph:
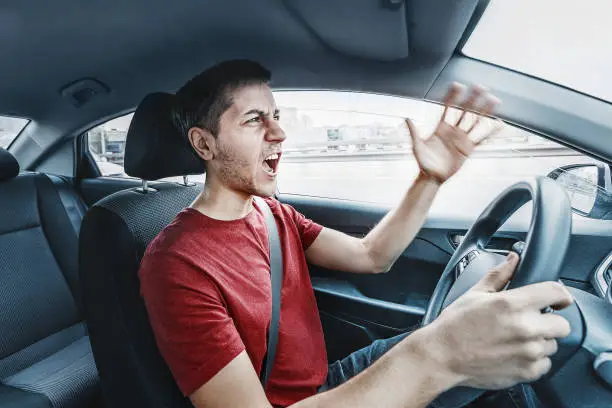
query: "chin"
265, 191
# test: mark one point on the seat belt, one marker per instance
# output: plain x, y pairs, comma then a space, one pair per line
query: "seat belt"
276, 276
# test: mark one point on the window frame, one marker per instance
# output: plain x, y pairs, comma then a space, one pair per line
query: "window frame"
28, 121
86, 151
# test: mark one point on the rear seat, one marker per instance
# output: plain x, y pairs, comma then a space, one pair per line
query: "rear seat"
45, 355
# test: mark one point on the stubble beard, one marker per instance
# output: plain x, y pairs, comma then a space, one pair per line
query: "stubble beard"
236, 173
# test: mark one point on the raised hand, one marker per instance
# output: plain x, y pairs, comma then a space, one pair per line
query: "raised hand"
443, 153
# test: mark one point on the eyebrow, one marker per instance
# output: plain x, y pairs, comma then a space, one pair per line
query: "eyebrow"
259, 112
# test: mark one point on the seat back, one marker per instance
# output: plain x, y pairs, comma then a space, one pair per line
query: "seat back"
114, 236
43, 341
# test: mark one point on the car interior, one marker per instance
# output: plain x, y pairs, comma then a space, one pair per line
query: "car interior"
75, 330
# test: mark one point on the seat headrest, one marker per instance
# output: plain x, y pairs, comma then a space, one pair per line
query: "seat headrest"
9, 167
154, 147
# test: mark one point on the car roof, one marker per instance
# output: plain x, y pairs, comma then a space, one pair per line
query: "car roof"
56, 53
139, 46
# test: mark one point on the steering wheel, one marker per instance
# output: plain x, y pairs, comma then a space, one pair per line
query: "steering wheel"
541, 259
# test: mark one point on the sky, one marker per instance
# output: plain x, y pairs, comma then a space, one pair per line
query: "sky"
563, 41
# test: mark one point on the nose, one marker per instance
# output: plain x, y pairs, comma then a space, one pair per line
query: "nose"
274, 132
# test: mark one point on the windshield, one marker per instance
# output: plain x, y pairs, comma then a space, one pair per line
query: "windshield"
561, 41
9, 129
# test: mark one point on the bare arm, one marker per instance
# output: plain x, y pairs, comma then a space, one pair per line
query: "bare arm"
237, 384
439, 157
378, 250
509, 341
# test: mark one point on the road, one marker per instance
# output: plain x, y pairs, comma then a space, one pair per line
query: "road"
385, 181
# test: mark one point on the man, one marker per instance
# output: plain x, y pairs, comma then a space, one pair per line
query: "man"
206, 278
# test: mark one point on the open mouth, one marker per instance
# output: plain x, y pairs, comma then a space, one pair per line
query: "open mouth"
270, 163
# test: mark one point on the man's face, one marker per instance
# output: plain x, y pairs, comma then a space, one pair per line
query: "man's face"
248, 147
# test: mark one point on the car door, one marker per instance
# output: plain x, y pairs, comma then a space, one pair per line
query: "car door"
349, 163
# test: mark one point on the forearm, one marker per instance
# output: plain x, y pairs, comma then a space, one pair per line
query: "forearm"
406, 376
386, 242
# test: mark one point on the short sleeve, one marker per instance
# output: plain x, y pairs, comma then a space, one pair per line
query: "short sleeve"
308, 229
192, 327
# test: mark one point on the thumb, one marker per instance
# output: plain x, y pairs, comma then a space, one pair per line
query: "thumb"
414, 134
497, 278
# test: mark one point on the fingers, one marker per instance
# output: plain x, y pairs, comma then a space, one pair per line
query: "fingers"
498, 277
491, 103
536, 369
541, 295
553, 326
549, 347
499, 125
414, 135
537, 349
535, 326
470, 103
456, 89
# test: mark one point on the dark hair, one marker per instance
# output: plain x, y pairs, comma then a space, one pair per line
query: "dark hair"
203, 99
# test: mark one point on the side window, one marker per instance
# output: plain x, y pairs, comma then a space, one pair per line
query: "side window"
356, 146
10, 128
107, 145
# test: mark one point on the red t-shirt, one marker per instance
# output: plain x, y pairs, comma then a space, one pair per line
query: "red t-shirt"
206, 286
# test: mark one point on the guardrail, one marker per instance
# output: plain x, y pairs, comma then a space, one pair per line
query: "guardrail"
290, 155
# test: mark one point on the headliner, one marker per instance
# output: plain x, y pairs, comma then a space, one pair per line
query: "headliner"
400, 47
139, 46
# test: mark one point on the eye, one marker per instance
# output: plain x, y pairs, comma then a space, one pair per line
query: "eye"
277, 117
255, 119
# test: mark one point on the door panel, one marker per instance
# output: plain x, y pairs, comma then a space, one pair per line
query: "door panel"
357, 309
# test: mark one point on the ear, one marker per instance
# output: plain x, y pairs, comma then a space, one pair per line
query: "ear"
203, 142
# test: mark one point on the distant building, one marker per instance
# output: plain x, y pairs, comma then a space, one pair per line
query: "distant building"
108, 144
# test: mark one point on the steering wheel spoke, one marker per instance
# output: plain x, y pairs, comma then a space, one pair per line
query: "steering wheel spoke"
541, 259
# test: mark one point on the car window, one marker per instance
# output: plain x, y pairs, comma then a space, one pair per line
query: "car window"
356, 146
555, 40
107, 146
10, 127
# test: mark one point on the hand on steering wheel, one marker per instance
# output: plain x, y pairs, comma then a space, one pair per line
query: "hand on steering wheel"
494, 339
516, 312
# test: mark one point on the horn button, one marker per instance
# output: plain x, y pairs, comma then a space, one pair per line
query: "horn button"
469, 270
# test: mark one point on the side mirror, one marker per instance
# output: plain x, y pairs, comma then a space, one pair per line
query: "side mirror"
589, 187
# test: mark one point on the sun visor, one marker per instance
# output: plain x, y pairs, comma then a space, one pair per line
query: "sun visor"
369, 29
385, 30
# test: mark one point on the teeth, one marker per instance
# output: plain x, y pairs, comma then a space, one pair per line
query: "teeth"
269, 170
272, 156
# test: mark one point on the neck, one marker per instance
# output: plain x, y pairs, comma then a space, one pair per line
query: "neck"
219, 202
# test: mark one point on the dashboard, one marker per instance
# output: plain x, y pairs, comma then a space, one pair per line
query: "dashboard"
602, 278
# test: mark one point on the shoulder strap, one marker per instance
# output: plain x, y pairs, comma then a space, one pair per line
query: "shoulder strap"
276, 273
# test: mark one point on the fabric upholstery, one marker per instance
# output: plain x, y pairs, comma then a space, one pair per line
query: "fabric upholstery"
132, 371
35, 296
45, 357
9, 167
40, 350
11, 397
154, 147
66, 377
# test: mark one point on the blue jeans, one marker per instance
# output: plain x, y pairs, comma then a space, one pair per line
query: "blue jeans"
339, 372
